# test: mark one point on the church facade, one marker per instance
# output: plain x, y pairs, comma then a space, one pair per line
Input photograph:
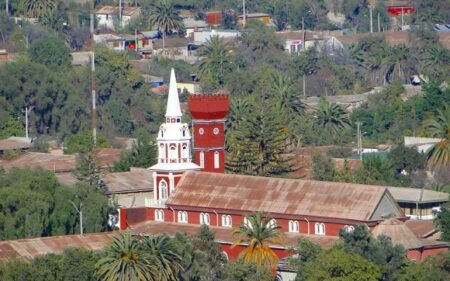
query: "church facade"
189, 193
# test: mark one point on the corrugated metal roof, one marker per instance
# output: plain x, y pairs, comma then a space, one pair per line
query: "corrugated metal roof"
399, 233
276, 195
421, 228
225, 235
413, 195
30, 248
14, 143
135, 180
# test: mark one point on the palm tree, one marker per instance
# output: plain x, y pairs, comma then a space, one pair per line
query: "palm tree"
167, 259
163, 15
37, 8
215, 59
257, 232
125, 260
439, 154
436, 62
286, 100
331, 117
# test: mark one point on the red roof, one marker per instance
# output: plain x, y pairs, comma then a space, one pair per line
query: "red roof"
201, 190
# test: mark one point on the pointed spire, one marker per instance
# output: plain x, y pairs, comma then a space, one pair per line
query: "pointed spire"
173, 103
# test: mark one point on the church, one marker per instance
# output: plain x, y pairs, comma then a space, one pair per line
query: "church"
190, 192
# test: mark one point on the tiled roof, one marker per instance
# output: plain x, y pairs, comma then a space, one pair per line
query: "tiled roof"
224, 235
277, 196
30, 248
136, 180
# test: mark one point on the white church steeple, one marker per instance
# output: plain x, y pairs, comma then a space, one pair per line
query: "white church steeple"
174, 148
173, 112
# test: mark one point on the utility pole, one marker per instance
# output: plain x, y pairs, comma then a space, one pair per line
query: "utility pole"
93, 93
26, 122
243, 14
379, 27
80, 212
402, 18
120, 13
359, 139
304, 48
7, 7
371, 18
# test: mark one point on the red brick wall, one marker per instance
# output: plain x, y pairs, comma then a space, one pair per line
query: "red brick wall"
209, 161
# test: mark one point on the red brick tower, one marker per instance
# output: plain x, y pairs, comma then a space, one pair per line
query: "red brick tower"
209, 112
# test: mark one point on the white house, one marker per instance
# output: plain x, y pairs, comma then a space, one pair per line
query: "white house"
108, 14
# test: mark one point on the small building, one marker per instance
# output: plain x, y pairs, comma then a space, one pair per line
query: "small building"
421, 144
107, 15
200, 37
265, 18
191, 25
298, 40
15, 144
129, 189
214, 17
419, 203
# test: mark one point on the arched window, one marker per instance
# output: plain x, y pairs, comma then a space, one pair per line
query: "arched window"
173, 151
184, 151
159, 215
319, 228
293, 226
216, 160
163, 189
202, 159
226, 221
247, 223
204, 218
182, 217
273, 223
349, 229
225, 254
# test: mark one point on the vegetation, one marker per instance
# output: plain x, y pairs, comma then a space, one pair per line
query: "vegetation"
34, 204
258, 232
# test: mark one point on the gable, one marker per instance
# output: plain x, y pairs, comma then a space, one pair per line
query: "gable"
387, 208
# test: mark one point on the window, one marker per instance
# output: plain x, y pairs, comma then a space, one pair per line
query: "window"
293, 226
320, 228
159, 215
204, 218
202, 159
247, 223
173, 151
163, 189
273, 223
216, 131
182, 217
184, 151
226, 221
349, 229
216, 160
162, 151
201, 131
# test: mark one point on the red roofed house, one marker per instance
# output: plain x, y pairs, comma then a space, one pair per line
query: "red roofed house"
187, 194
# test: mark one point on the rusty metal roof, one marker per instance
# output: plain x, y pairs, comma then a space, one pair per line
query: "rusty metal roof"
276, 195
107, 156
47, 161
136, 180
399, 233
225, 235
30, 248
421, 228
14, 143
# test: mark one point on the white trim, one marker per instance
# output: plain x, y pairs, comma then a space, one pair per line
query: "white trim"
164, 184
216, 160
294, 226
202, 159
155, 175
204, 218
159, 215
171, 182
319, 228
227, 221
182, 217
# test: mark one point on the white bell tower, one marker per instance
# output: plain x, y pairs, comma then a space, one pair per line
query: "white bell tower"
174, 148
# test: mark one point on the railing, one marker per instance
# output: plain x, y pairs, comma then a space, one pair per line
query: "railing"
152, 203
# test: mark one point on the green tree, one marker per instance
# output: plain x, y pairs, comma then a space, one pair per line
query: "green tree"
239, 271
388, 257
193, 259
163, 15
305, 251
436, 63
439, 154
442, 221
52, 52
37, 8
125, 260
322, 167
257, 233
143, 154
406, 159
338, 265
331, 117
215, 61
259, 146
83, 142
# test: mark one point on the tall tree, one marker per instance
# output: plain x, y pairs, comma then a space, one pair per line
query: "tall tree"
215, 60
163, 15
439, 154
37, 8
125, 260
258, 232
331, 117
